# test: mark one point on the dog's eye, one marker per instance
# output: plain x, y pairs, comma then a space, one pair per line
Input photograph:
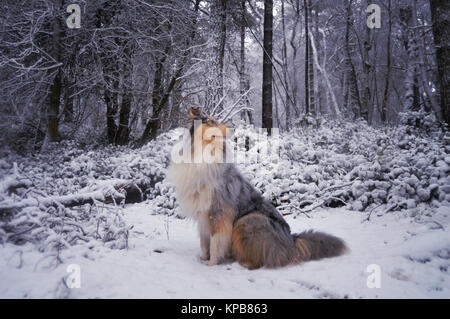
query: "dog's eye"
214, 136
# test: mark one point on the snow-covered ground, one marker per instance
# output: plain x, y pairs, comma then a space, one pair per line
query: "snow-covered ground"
162, 261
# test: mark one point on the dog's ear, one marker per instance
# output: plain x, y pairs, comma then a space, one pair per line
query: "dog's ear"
211, 122
194, 113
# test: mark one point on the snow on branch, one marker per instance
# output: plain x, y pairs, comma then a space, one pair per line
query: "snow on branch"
110, 193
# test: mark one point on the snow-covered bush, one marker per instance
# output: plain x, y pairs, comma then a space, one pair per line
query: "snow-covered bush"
334, 164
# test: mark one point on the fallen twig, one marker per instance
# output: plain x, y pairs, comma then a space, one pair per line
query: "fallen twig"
370, 213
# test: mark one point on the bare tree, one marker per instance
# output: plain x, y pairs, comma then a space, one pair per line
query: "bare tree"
215, 56
307, 57
352, 98
412, 94
267, 120
439, 14
310, 73
55, 88
153, 124
324, 73
244, 81
285, 65
423, 72
367, 67
388, 66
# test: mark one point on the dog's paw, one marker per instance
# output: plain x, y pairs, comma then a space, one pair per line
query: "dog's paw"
204, 257
211, 262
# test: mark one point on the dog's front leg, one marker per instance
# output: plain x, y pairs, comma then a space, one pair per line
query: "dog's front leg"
205, 235
220, 246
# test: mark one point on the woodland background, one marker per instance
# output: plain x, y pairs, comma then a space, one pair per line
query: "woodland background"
134, 67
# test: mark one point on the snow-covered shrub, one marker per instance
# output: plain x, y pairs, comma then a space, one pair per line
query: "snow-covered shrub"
334, 164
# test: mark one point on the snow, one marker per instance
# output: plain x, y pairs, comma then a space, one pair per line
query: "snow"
162, 261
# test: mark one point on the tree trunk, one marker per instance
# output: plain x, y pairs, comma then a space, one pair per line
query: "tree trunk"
111, 127
440, 17
324, 73
285, 67
312, 93
217, 37
244, 81
123, 130
305, 5
411, 97
267, 121
53, 109
153, 125
157, 82
110, 67
68, 101
55, 89
293, 44
352, 93
365, 104
388, 66
319, 85
423, 71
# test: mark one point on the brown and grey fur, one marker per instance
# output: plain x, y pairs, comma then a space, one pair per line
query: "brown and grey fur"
236, 221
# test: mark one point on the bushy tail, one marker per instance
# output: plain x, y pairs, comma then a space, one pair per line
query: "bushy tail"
258, 241
312, 245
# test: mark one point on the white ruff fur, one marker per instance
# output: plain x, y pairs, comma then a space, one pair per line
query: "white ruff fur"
195, 185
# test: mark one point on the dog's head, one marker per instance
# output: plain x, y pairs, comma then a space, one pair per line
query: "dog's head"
207, 132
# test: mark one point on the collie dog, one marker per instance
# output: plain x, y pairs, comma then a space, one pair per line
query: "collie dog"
234, 220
